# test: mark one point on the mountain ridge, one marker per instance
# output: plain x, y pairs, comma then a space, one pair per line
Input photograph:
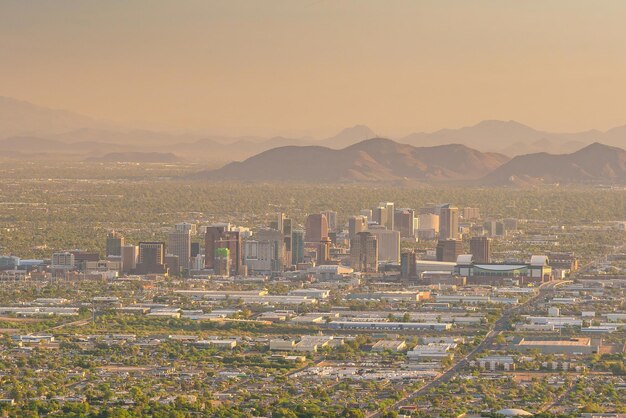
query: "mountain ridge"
595, 163
22, 119
376, 159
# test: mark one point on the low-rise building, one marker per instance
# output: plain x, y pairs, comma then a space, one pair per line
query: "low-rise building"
571, 346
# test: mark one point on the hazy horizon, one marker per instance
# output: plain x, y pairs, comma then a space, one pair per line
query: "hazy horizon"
312, 68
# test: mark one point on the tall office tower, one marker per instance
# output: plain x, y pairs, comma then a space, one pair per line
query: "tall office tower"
277, 221
364, 252
115, 242
297, 246
151, 258
130, 253
222, 236
356, 224
367, 213
222, 261
428, 226
449, 250
389, 223
384, 214
316, 228
405, 222
186, 227
179, 244
448, 223
480, 248
470, 213
388, 244
331, 217
287, 226
408, 264
323, 252
276, 242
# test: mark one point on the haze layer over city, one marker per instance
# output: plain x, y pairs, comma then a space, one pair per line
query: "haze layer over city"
312, 208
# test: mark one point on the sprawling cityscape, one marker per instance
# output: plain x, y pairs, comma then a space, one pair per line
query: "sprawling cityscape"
434, 310
312, 209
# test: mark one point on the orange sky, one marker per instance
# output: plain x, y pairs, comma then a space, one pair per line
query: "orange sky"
315, 66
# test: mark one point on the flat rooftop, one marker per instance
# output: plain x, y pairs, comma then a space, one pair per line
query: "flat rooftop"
572, 342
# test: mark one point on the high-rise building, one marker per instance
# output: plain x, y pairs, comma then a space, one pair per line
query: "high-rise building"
480, 248
470, 213
389, 223
284, 225
115, 242
356, 224
388, 244
222, 261
151, 258
258, 256
448, 223
331, 217
449, 250
276, 242
186, 227
384, 214
297, 246
364, 252
179, 244
408, 264
323, 252
63, 260
367, 213
316, 228
222, 236
130, 254
405, 222
428, 226
277, 221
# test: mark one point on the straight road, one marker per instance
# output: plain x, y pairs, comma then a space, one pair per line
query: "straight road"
499, 326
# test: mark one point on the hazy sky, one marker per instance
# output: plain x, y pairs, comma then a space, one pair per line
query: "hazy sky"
314, 66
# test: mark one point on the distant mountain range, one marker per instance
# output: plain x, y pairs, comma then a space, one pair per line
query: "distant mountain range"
384, 160
596, 163
28, 131
370, 160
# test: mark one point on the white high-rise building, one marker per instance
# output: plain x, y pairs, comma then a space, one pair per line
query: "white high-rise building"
388, 244
130, 254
